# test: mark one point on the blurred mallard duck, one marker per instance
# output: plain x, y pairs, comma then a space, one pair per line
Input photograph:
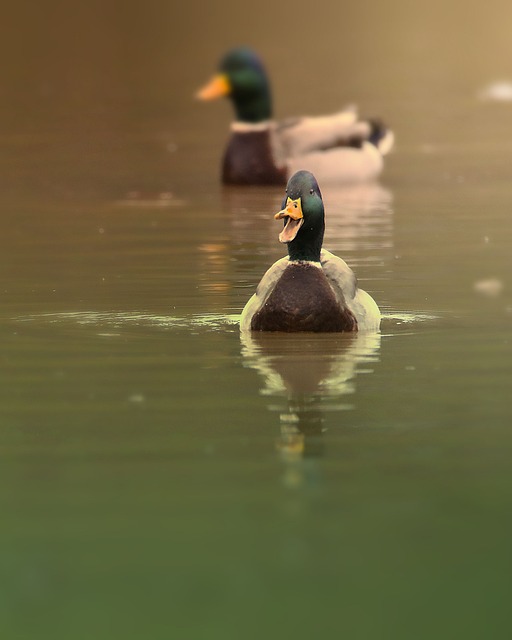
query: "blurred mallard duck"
337, 147
310, 289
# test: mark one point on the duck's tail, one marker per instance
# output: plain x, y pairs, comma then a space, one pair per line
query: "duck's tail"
381, 136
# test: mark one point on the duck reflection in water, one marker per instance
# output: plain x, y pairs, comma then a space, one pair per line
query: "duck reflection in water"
307, 377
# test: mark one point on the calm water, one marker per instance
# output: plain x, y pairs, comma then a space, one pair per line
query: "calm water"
161, 478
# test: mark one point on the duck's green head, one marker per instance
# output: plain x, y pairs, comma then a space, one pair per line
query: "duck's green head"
242, 78
303, 215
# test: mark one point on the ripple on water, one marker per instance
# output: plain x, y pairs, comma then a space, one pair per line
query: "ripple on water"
404, 320
214, 322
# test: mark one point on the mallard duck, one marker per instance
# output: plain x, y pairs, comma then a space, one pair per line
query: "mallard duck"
310, 289
338, 147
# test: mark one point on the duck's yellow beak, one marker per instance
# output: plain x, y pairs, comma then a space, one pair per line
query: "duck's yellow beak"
292, 211
218, 87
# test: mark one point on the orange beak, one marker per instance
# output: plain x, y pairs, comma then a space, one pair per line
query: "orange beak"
292, 211
218, 87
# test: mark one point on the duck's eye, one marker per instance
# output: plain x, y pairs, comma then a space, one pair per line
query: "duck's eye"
311, 191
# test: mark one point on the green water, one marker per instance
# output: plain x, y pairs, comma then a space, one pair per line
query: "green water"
162, 478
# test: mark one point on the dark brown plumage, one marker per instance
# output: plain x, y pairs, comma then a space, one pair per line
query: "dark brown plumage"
303, 300
248, 160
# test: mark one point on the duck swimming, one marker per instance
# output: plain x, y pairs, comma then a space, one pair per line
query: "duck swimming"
338, 147
311, 289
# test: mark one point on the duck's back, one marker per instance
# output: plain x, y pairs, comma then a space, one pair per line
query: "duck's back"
303, 300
